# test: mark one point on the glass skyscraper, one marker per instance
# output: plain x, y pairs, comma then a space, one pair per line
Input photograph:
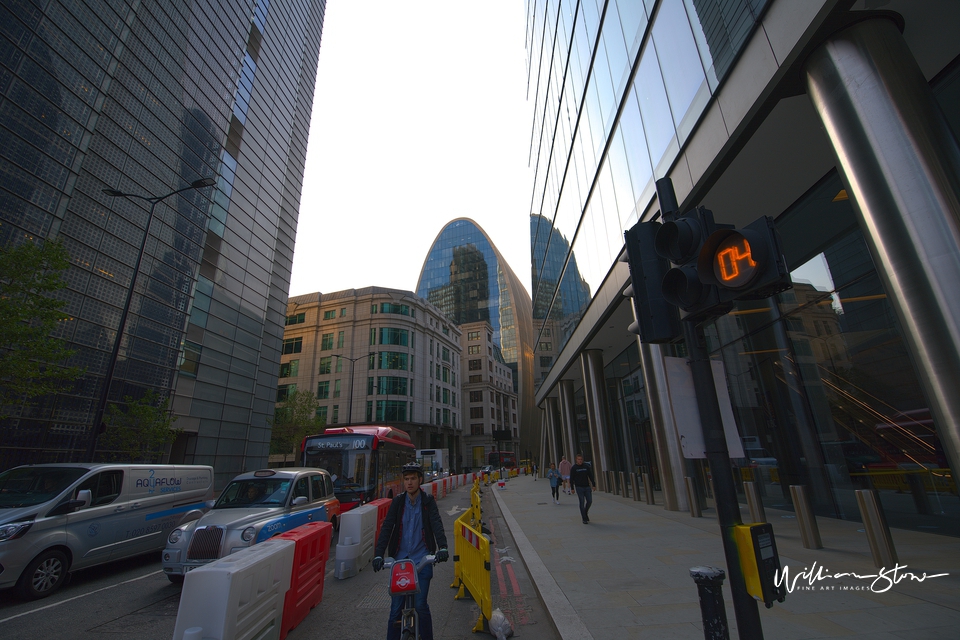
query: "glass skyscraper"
145, 98
838, 122
465, 277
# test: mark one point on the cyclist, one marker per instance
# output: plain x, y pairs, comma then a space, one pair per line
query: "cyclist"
412, 529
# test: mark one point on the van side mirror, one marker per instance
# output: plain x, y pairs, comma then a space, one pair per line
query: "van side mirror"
299, 500
82, 501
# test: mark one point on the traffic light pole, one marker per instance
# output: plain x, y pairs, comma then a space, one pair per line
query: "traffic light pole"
718, 457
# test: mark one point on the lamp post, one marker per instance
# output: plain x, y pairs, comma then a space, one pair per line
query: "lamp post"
353, 362
98, 425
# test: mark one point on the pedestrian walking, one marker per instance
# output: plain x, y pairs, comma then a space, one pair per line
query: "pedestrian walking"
581, 478
534, 471
554, 477
565, 473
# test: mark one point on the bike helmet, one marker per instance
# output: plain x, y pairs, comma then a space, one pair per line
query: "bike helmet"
412, 467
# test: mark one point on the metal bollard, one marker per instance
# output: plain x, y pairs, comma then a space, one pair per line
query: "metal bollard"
875, 525
635, 486
710, 590
623, 483
692, 498
919, 493
809, 532
648, 489
611, 483
757, 514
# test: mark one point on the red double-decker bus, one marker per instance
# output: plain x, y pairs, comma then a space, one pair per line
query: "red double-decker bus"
364, 461
505, 459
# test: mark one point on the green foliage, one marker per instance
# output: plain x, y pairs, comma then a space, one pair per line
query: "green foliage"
293, 420
139, 430
30, 359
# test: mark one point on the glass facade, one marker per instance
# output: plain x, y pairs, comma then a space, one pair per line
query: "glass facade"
145, 98
822, 381
604, 133
467, 279
822, 384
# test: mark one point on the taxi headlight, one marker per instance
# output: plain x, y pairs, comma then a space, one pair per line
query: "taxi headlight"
248, 534
174, 536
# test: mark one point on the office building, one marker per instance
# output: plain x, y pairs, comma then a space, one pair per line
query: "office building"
145, 99
489, 401
376, 356
839, 120
465, 276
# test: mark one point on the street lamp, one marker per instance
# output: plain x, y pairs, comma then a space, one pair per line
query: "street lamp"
98, 425
353, 362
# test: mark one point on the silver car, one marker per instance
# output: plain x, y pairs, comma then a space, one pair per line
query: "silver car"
255, 506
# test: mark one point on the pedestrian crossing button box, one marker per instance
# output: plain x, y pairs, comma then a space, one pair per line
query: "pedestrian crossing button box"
760, 562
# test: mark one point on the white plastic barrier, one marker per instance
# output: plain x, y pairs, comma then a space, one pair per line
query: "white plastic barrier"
358, 528
239, 597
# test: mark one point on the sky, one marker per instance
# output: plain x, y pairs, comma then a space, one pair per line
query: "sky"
420, 116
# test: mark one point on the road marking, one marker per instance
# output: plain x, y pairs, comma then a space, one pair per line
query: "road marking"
82, 595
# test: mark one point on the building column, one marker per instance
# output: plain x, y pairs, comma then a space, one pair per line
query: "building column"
901, 164
568, 421
591, 363
668, 457
552, 411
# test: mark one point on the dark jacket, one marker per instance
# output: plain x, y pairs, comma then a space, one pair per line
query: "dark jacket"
581, 475
390, 531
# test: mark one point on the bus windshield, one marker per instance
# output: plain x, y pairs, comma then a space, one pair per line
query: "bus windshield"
346, 457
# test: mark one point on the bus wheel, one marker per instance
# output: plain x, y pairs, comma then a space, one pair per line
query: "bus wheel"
43, 576
175, 578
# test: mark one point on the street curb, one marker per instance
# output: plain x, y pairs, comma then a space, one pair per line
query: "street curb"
561, 612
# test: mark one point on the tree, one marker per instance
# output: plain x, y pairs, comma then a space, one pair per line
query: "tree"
293, 420
31, 360
138, 431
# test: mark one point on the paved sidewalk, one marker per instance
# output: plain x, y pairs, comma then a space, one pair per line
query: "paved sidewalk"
626, 574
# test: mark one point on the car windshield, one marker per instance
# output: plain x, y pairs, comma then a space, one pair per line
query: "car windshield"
27, 486
255, 492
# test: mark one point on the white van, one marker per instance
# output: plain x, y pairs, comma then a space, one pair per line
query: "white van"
56, 518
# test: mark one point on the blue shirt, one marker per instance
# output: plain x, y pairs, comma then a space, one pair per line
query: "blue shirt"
412, 544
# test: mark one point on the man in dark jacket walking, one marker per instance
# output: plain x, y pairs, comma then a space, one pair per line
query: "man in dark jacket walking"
581, 479
412, 529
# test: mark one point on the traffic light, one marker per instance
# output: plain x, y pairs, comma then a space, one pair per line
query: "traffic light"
745, 264
680, 240
657, 320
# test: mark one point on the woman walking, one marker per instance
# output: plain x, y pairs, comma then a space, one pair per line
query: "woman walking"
554, 477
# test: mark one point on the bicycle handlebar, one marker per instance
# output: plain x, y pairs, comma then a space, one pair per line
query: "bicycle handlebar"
428, 559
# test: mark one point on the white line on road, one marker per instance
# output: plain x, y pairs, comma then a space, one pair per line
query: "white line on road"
82, 595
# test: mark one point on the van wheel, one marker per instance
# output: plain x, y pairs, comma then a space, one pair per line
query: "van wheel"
335, 521
174, 578
43, 576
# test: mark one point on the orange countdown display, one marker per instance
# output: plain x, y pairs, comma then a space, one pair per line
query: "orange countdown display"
733, 262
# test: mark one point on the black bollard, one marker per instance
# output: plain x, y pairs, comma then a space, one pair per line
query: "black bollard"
710, 589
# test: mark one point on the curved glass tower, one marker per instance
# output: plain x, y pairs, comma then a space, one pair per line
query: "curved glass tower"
465, 276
